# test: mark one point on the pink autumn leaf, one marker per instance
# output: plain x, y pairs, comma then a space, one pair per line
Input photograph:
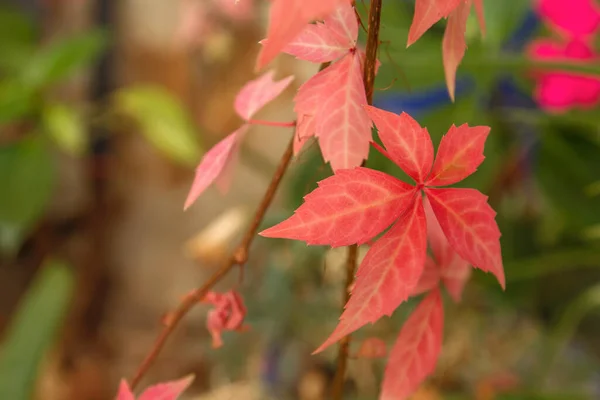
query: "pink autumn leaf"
429, 278
316, 44
453, 44
162, 391
347, 208
408, 144
453, 270
327, 41
258, 92
372, 347
574, 18
416, 351
212, 165
287, 18
459, 154
468, 223
388, 274
427, 13
343, 24
228, 314
480, 16
341, 123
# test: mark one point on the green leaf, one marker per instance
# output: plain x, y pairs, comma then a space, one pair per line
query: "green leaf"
26, 182
63, 58
162, 120
17, 38
33, 330
16, 101
15, 27
65, 126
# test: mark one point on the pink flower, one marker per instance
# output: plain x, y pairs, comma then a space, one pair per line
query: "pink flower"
559, 91
573, 18
575, 21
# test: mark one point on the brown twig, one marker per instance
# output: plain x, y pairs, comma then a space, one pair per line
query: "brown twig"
237, 258
369, 81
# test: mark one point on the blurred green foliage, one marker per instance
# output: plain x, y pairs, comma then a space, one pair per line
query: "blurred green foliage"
33, 123
33, 329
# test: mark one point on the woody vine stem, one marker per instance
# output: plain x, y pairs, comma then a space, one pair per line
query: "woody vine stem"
237, 258
369, 81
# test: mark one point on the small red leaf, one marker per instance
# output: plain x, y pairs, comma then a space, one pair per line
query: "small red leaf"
349, 207
258, 92
168, 390
316, 43
372, 347
453, 44
327, 41
454, 271
342, 124
427, 13
125, 392
480, 16
228, 314
429, 278
468, 223
162, 391
213, 164
416, 351
343, 25
287, 18
408, 144
459, 154
388, 274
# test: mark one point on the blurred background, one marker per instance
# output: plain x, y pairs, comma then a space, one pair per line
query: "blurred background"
107, 106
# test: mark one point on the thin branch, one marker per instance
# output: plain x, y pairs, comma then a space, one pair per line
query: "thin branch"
369, 81
237, 258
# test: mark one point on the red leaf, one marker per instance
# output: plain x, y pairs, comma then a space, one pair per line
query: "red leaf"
327, 41
344, 25
308, 99
416, 351
228, 314
408, 144
480, 16
342, 125
388, 274
459, 154
258, 92
162, 391
429, 278
427, 13
125, 392
349, 207
454, 271
372, 348
468, 223
213, 164
168, 390
453, 44
287, 18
